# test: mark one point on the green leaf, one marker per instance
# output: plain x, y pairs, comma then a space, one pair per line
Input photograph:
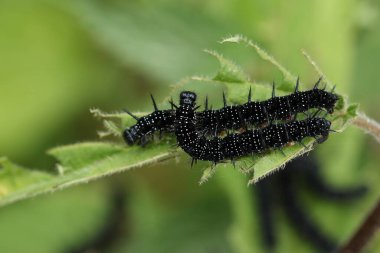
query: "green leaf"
353, 110
79, 163
74, 157
289, 78
14, 177
228, 72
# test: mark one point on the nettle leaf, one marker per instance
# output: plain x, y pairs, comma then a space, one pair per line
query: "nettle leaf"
228, 72
289, 78
14, 177
82, 162
79, 163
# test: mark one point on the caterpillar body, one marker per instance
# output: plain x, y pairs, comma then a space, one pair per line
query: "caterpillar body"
232, 117
215, 149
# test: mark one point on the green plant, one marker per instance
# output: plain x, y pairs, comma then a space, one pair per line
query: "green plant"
82, 162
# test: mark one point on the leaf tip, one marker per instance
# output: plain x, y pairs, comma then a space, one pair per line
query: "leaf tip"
237, 38
207, 174
97, 113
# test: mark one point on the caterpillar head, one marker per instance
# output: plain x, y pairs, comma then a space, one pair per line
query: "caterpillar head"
187, 98
130, 135
319, 128
327, 100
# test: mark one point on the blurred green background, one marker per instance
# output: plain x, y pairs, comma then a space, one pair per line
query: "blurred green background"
60, 58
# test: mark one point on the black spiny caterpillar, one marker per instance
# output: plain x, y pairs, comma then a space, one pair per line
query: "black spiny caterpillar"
215, 149
256, 113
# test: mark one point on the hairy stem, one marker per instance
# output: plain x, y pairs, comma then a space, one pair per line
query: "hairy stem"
371, 224
368, 125
365, 232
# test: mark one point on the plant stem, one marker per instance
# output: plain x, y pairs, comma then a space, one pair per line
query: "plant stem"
369, 126
365, 233
371, 224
